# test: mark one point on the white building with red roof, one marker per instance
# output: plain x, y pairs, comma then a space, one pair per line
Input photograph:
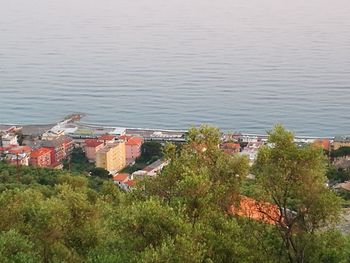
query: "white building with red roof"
124, 181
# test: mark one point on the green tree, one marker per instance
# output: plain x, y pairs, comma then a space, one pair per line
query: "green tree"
77, 162
293, 179
200, 172
201, 182
182, 215
337, 175
14, 247
150, 151
342, 151
101, 173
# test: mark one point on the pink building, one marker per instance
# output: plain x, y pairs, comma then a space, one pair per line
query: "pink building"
132, 147
92, 146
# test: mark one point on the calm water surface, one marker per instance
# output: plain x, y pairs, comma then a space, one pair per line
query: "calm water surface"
238, 64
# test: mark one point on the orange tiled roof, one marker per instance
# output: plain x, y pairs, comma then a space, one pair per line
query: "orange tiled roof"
134, 141
230, 145
19, 149
39, 152
261, 211
121, 177
125, 137
130, 183
92, 143
106, 137
325, 143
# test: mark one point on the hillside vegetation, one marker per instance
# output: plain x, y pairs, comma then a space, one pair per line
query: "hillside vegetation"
183, 215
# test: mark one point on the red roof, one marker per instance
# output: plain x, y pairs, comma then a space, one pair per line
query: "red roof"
125, 137
40, 152
131, 140
135, 141
130, 183
19, 149
121, 177
261, 211
231, 145
106, 137
92, 143
325, 143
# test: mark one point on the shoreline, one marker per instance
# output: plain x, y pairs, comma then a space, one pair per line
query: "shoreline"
41, 128
75, 119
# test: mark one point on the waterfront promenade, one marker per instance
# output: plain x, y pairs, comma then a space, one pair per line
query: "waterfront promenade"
74, 127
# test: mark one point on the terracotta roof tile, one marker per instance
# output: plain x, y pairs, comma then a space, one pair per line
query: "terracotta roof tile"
130, 183
106, 137
92, 143
261, 211
20, 149
121, 177
325, 143
39, 152
230, 145
134, 141
125, 137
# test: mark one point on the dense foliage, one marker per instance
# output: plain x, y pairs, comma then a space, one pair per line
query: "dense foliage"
180, 216
77, 162
336, 175
150, 152
342, 151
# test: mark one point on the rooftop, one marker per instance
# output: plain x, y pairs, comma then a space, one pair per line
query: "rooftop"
93, 143
109, 147
106, 137
121, 177
345, 138
39, 152
130, 183
230, 145
345, 186
324, 143
125, 137
56, 142
261, 211
19, 149
134, 141
154, 165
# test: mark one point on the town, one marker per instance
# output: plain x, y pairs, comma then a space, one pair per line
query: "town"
111, 180
117, 150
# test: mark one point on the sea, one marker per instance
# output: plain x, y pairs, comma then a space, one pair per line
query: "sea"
240, 65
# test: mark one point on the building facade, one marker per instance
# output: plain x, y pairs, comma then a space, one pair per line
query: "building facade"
60, 148
132, 147
112, 156
9, 139
41, 157
92, 146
